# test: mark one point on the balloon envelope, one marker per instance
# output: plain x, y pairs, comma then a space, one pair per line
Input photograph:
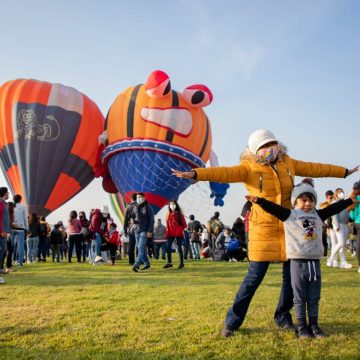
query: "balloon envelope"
48, 141
152, 129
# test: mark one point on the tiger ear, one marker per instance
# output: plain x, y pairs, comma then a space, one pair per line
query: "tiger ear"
198, 95
158, 84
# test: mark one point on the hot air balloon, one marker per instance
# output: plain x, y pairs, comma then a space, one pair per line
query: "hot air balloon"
48, 141
118, 204
151, 129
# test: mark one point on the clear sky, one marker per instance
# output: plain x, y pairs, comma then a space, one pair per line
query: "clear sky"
289, 66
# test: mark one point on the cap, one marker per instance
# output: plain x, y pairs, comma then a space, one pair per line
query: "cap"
259, 138
302, 188
104, 209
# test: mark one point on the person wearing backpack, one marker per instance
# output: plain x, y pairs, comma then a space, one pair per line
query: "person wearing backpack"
215, 227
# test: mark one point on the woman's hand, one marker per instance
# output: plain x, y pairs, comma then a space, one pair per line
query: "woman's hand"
351, 171
184, 174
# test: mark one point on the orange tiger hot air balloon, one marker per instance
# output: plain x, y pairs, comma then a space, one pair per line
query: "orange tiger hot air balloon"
48, 141
151, 129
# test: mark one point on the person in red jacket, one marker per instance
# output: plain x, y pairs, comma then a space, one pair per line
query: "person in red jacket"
175, 226
112, 243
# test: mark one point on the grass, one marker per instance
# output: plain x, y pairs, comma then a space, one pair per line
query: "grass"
77, 311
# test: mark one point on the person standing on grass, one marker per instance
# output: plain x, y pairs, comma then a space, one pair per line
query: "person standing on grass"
303, 236
130, 228
144, 220
340, 223
355, 215
175, 226
5, 229
56, 240
266, 171
195, 229
21, 224
75, 237
160, 239
32, 238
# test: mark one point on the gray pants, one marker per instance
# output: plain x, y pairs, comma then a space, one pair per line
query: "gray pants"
306, 285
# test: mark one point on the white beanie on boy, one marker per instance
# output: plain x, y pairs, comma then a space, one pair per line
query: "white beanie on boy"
259, 138
302, 188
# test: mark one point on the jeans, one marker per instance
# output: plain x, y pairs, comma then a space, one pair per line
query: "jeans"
179, 246
18, 237
32, 248
158, 246
253, 278
97, 244
43, 248
141, 242
92, 251
196, 251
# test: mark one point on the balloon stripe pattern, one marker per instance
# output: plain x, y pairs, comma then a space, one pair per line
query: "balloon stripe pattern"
48, 141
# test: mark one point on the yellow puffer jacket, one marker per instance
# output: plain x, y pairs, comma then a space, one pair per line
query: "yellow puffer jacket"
266, 233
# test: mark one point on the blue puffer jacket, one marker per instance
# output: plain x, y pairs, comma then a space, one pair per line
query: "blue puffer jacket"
355, 213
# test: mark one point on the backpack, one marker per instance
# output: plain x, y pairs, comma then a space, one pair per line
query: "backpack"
43, 230
216, 227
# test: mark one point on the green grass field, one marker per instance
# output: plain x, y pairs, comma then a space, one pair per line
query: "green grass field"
77, 311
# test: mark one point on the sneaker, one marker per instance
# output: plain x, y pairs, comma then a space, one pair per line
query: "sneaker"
303, 332
2, 281
12, 269
181, 266
146, 267
329, 262
98, 259
316, 331
167, 266
345, 265
353, 254
109, 262
135, 268
335, 264
227, 331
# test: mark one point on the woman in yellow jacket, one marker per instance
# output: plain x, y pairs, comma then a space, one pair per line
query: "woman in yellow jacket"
266, 171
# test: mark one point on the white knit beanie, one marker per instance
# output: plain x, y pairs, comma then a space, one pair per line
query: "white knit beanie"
259, 138
302, 188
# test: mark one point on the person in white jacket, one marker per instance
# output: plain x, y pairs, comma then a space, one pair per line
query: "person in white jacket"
341, 228
19, 227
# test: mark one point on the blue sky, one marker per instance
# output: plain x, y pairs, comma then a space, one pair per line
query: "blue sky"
289, 66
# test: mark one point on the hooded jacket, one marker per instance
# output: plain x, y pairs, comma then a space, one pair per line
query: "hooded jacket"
274, 183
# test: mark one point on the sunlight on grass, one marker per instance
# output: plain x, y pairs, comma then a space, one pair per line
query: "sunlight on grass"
77, 311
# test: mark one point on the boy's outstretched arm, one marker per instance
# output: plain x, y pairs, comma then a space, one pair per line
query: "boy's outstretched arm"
334, 208
274, 209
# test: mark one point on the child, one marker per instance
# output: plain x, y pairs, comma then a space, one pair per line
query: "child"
112, 242
303, 236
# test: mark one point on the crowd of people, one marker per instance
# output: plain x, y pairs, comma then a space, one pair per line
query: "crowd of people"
29, 238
